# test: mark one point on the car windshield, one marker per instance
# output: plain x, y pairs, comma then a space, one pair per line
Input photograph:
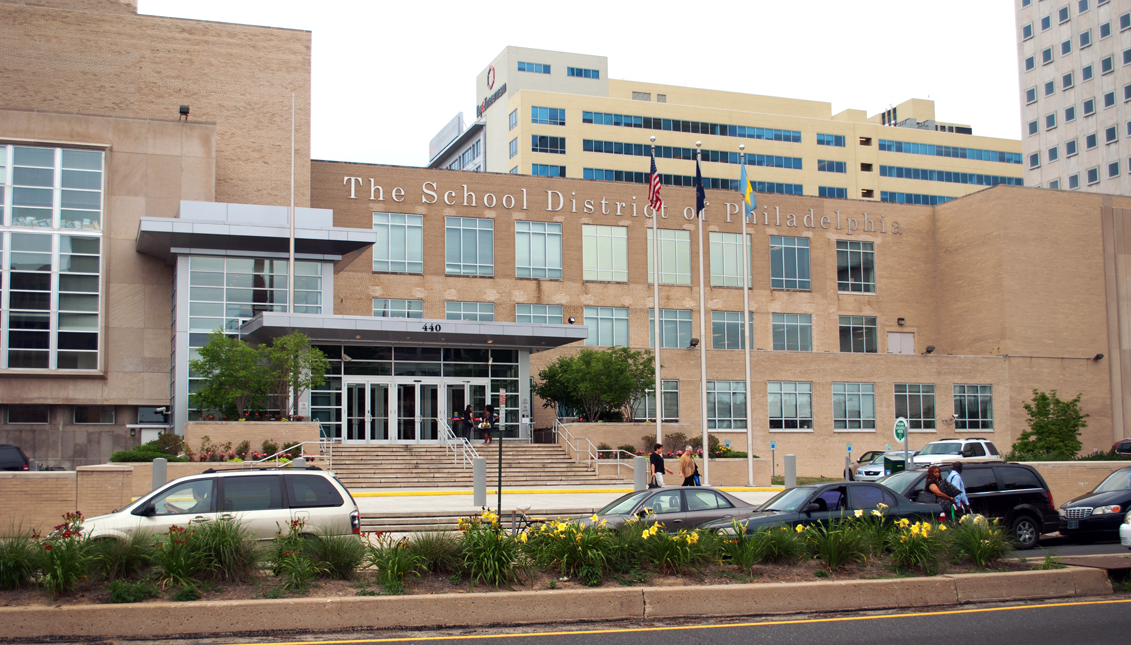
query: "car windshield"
901, 480
789, 500
941, 449
624, 504
1119, 480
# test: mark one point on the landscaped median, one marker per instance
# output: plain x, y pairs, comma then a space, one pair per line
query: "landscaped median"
165, 619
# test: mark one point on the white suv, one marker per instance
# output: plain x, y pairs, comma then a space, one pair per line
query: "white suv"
263, 500
951, 450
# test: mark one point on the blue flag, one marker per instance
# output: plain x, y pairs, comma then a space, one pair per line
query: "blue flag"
700, 194
750, 202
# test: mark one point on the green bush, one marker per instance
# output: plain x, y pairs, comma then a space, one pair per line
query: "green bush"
626, 547
836, 543
489, 554
169, 443
124, 592
339, 555
178, 561
779, 545
979, 540
741, 548
114, 559
921, 546
66, 558
142, 454
440, 550
393, 561
228, 549
675, 553
572, 549
298, 569
20, 558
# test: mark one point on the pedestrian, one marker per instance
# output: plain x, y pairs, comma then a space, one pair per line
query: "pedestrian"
687, 467
656, 462
955, 479
489, 423
938, 487
467, 425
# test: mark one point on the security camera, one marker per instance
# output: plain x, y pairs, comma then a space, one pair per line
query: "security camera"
955, 415
161, 410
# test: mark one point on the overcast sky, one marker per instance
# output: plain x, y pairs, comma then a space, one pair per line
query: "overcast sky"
388, 75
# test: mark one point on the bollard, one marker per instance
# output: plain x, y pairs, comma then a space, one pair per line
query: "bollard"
299, 463
160, 472
639, 473
479, 481
847, 468
32, 465
790, 471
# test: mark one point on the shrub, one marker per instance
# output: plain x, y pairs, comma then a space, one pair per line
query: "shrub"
741, 548
122, 591
488, 553
836, 543
573, 549
875, 529
673, 553
178, 562
921, 546
65, 556
20, 557
227, 548
1054, 425
115, 559
979, 540
242, 449
626, 547
169, 443
779, 545
440, 550
393, 561
142, 454
339, 555
629, 448
298, 569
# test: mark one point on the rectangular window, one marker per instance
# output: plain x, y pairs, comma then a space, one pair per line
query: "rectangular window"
514, 147
1046, 55
1066, 81
854, 406
661, 98
789, 263
916, 403
1090, 141
675, 328
1127, 92
608, 326
514, 171
1035, 160
1034, 127
836, 140
400, 243
1109, 99
1054, 184
1050, 88
641, 96
831, 166
473, 311
469, 246
675, 256
974, 407
858, 334
790, 405
1027, 32
604, 253
538, 314
29, 414
855, 266
645, 408
95, 414
538, 250
1062, 15
1030, 63
393, 308
1113, 169
581, 72
1107, 65
1069, 114
1046, 23
1105, 30
1073, 182
536, 68
792, 332
548, 145
1066, 47
727, 330
1125, 22
1086, 72
513, 119
543, 170
1082, 5
547, 116
1089, 107
726, 268
1111, 135
1050, 121
1085, 38
1053, 154
1093, 176
726, 405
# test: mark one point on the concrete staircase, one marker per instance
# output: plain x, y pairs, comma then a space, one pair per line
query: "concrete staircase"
428, 466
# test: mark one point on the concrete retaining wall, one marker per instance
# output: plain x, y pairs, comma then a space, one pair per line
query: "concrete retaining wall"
1070, 479
256, 432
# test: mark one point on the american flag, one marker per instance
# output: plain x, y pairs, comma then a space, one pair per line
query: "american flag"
654, 199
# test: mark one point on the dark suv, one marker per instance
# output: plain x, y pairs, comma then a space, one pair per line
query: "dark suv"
12, 458
1014, 493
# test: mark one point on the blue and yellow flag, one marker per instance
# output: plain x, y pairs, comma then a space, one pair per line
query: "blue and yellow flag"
748, 199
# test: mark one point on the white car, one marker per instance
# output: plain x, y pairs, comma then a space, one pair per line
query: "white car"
951, 450
263, 500
1125, 531
874, 469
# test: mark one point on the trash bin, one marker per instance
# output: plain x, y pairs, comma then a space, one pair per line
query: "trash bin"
893, 465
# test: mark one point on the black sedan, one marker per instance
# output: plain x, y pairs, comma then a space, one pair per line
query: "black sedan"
677, 507
819, 503
1097, 515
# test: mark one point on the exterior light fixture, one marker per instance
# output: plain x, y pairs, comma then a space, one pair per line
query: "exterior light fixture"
900, 321
571, 320
183, 112
930, 348
1098, 357
694, 343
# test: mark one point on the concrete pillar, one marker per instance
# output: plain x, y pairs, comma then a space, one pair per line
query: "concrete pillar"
639, 473
32, 465
160, 472
479, 481
299, 463
790, 471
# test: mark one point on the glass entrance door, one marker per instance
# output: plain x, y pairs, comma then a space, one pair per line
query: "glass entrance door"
418, 411
367, 412
396, 410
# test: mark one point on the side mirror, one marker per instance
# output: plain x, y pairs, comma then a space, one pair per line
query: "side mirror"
145, 510
812, 508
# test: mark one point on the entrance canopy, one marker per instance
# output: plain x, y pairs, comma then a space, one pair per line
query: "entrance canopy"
411, 331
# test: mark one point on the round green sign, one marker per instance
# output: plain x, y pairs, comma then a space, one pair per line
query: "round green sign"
900, 429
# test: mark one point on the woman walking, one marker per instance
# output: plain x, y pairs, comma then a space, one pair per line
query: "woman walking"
687, 466
489, 424
467, 426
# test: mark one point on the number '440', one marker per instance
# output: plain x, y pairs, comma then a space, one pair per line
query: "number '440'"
430, 327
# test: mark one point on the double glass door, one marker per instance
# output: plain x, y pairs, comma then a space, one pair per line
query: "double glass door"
407, 410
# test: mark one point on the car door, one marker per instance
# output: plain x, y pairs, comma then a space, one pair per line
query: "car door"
833, 505
257, 502
667, 508
705, 505
187, 504
866, 498
981, 490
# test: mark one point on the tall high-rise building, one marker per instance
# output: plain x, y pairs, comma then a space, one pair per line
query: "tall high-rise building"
1073, 58
559, 114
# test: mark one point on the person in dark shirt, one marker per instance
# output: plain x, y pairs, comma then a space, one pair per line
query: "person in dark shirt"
656, 460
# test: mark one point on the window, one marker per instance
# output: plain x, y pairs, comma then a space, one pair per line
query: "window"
1027, 32
514, 147
1090, 141
400, 243
1093, 176
726, 268
1086, 72
1018, 478
28, 414
1069, 114
1030, 63
537, 68
1050, 121
1035, 160
311, 491
1050, 88
1066, 81
1066, 47
792, 332
831, 166
392, 308
1107, 65
1109, 99
1046, 56
641, 96
473, 311
1070, 148
901, 342
513, 119
854, 406
1105, 30
1085, 38
838, 193
1113, 169
973, 407
1111, 135
1062, 15
608, 326
549, 145
726, 405
469, 246
836, 140
789, 263
514, 171
547, 116
604, 253
790, 405
1127, 92
1125, 21
1053, 154
858, 334
916, 403
1034, 127
727, 330
94, 414
1083, 5
538, 314
255, 493
661, 98
1073, 182
538, 250
675, 256
1046, 23
645, 408
855, 266
1089, 107
192, 497
543, 170
1054, 184
675, 328
581, 72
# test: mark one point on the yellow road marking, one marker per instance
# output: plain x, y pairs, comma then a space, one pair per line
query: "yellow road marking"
535, 491
692, 627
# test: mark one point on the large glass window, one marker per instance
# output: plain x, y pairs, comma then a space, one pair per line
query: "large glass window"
726, 268
470, 246
916, 403
538, 314
538, 250
400, 243
549, 145
604, 253
790, 405
727, 330
101, 414
645, 409
793, 332
726, 405
675, 256
854, 406
675, 328
974, 407
393, 308
547, 116
608, 326
858, 334
855, 266
474, 311
789, 263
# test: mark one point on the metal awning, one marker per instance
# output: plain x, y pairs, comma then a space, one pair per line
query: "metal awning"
165, 238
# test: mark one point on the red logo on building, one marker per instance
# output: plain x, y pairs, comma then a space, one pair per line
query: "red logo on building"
491, 77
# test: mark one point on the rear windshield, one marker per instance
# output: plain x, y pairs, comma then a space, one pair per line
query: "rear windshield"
941, 449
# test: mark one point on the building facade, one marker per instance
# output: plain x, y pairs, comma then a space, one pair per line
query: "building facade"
559, 114
1073, 59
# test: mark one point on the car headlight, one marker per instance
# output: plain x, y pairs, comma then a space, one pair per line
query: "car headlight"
1105, 510
1060, 511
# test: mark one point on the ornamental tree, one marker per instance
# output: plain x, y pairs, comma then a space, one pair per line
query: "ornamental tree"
233, 373
293, 366
596, 381
1054, 426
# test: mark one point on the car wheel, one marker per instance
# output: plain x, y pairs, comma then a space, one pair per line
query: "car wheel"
1026, 531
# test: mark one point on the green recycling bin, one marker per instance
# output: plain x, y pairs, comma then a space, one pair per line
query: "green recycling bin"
893, 465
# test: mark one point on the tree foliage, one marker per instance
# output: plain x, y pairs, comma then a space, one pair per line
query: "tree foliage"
293, 366
597, 381
1054, 426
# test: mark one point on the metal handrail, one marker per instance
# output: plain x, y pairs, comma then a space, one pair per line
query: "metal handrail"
591, 451
459, 446
617, 452
323, 444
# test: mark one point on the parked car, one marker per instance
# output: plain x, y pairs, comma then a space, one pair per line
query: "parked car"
874, 469
948, 450
1125, 532
262, 499
12, 458
676, 506
1098, 515
819, 503
1122, 447
867, 457
1016, 494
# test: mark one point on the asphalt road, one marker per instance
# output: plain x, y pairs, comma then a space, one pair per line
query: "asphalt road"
1058, 546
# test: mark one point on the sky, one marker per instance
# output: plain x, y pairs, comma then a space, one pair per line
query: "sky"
387, 76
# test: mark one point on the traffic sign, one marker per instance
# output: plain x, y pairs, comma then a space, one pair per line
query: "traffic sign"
889, 447
773, 445
849, 446
900, 429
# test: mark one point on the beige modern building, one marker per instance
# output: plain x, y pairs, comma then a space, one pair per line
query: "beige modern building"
1073, 59
558, 114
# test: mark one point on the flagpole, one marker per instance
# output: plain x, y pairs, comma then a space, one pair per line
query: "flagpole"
702, 331
747, 339
656, 309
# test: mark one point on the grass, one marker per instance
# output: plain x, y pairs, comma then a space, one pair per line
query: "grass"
338, 555
129, 592
120, 559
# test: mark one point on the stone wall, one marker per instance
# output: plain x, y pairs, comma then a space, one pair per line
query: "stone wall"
220, 432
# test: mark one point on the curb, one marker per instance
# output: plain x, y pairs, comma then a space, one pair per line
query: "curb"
215, 618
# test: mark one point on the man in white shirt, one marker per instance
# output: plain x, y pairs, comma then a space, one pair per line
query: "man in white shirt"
955, 479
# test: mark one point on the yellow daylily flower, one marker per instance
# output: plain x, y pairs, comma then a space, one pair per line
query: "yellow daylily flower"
942, 527
859, 513
877, 514
800, 528
881, 505
594, 518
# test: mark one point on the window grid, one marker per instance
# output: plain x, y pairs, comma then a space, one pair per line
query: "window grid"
726, 405
836, 140
604, 253
538, 250
854, 406
675, 256
472, 311
725, 250
727, 330
916, 403
790, 405
831, 166
393, 308
536, 68
608, 326
974, 407
675, 328
792, 332
789, 263
581, 72
855, 266
858, 334
543, 170
469, 246
400, 243
538, 314
547, 115
645, 409
548, 145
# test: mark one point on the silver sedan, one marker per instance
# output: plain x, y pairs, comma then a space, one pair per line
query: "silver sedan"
678, 507
874, 469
